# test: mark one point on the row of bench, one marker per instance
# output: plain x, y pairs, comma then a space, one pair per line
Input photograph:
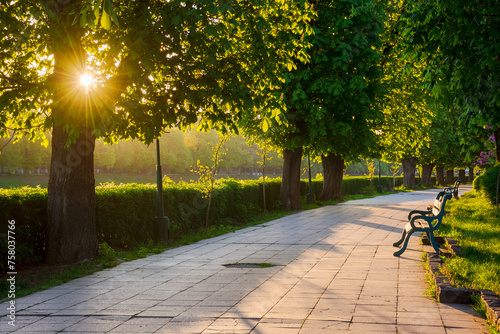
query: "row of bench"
427, 221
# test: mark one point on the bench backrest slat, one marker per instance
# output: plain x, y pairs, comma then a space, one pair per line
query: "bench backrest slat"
439, 212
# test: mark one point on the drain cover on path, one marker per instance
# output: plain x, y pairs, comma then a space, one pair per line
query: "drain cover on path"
249, 265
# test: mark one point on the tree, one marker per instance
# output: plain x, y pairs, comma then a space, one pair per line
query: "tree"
330, 99
394, 172
239, 154
208, 173
23, 155
155, 64
408, 112
459, 42
175, 155
344, 130
371, 171
199, 143
105, 156
264, 155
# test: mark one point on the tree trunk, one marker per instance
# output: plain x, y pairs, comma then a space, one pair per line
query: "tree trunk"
71, 235
440, 175
461, 175
471, 174
496, 134
264, 180
498, 187
449, 176
333, 169
409, 165
71, 226
427, 175
290, 180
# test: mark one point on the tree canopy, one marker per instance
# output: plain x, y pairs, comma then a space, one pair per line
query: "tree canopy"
459, 42
331, 99
154, 65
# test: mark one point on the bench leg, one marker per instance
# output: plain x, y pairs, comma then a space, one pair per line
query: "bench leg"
434, 244
403, 235
405, 244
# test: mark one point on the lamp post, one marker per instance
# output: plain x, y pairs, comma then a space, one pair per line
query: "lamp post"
310, 195
161, 228
379, 186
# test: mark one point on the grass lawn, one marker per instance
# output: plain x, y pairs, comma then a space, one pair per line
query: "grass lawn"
475, 225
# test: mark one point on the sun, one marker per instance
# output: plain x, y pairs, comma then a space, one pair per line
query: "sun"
86, 80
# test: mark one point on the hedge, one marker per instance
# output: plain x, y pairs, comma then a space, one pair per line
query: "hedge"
125, 213
486, 184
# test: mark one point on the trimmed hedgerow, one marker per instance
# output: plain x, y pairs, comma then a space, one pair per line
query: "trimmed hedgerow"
27, 207
125, 213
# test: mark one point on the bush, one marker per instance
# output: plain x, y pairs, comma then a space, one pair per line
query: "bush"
28, 208
125, 213
477, 183
486, 184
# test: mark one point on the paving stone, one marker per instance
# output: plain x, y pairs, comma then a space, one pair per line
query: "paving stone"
336, 274
420, 329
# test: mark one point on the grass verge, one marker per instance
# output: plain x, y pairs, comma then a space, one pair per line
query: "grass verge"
431, 286
475, 225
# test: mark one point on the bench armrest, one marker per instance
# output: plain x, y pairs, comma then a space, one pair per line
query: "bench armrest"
428, 219
419, 212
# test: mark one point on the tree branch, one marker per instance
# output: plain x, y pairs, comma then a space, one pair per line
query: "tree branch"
12, 137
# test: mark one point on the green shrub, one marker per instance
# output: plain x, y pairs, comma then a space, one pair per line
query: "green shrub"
486, 184
125, 213
28, 208
477, 184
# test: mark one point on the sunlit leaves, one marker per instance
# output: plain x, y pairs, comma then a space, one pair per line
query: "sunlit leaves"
156, 64
91, 14
330, 96
460, 42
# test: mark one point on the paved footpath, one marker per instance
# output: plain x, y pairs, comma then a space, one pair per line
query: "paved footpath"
334, 273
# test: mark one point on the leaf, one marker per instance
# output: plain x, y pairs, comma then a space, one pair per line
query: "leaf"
105, 21
108, 8
265, 125
83, 17
97, 8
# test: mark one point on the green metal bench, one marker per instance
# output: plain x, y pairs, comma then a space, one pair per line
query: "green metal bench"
453, 190
424, 221
448, 190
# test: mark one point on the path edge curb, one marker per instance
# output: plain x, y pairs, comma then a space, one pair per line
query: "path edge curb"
447, 293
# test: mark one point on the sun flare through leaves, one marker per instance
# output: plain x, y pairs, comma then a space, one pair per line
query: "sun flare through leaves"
86, 80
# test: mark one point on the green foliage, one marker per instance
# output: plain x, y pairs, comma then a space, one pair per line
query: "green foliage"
23, 155
459, 42
431, 286
208, 173
149, 72
179, 151
125, 213
477, 184
330, 99
28, 208
370, 164
478, 305
486, 184
407, 113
